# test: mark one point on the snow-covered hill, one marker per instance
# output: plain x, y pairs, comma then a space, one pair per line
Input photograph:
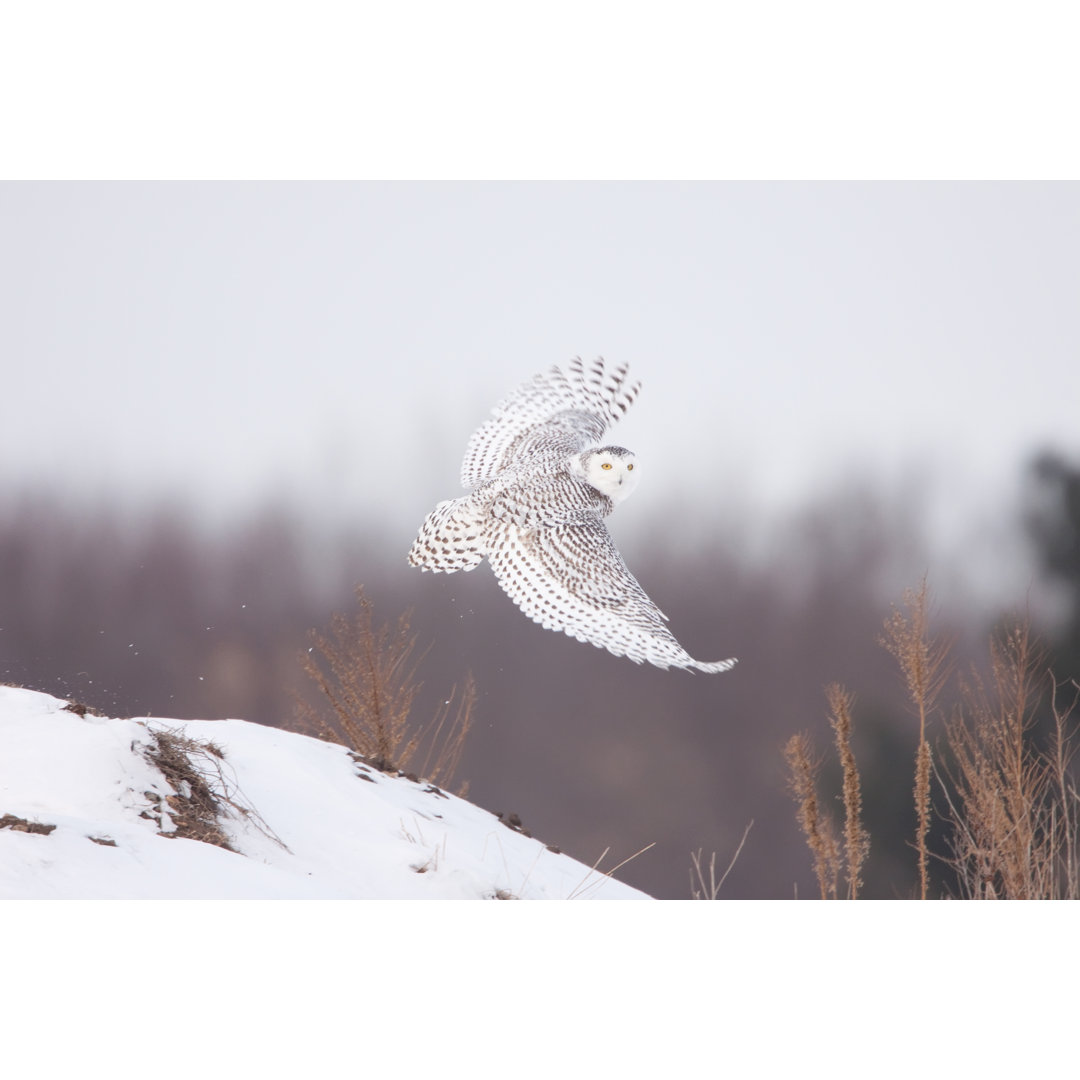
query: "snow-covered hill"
100, 807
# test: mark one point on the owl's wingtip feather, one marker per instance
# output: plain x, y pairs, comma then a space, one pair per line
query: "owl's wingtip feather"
716, 666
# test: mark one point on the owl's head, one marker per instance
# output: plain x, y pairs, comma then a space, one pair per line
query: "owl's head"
609, 469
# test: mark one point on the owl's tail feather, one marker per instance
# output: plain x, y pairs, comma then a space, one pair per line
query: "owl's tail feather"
450, 538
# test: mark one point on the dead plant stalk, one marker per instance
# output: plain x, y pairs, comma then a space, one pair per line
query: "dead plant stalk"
816, 827
856, 838
367, 677
922, 661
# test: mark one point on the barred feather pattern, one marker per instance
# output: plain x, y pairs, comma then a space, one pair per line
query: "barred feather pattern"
541, 490
556, 414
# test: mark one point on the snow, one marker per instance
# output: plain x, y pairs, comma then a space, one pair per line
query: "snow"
174, 984
305, 820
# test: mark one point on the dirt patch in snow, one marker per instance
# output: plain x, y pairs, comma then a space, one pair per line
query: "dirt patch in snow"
18, 824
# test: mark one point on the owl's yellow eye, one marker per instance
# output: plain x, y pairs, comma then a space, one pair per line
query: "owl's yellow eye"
629, 468
606, 465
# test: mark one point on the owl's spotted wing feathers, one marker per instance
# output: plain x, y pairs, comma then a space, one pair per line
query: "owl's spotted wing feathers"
536, 512
571, 577
555, 413
451, 538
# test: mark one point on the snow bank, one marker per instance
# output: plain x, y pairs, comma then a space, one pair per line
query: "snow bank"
301, 819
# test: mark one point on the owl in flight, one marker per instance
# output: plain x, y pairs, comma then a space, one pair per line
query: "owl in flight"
540, 486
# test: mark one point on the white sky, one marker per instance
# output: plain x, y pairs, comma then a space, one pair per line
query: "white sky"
232, 342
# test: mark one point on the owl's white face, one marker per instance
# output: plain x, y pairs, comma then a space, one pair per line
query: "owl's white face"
612, 470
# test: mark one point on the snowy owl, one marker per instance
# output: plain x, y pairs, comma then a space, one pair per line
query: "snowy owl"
540, 487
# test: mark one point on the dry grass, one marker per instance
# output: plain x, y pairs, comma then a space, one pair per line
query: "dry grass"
856, 838
194, 808
1014, 804
595, 877
708, 888
816, 826
203, 794
367, 680
1010, 806
923, 663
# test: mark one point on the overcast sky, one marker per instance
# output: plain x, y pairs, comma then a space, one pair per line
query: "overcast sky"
231, 343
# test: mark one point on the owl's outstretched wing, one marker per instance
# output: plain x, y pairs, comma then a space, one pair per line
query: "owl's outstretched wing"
571, 577
557, 412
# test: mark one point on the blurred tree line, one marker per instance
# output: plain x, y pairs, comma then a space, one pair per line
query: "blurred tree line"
153, 614
1053, 521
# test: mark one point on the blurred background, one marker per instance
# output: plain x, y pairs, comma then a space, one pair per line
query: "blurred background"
225, 405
